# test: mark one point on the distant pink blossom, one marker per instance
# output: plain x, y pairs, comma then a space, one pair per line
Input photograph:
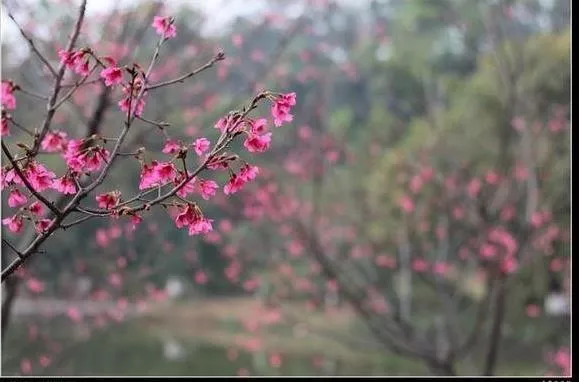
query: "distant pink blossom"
201, 278
74, 314
165, 26
406, 204
35, 285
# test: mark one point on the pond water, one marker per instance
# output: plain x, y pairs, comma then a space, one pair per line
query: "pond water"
127, 350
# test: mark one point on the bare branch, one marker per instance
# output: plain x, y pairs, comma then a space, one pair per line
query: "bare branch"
32, 46
218, 57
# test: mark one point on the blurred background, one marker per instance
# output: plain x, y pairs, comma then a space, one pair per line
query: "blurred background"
413, 219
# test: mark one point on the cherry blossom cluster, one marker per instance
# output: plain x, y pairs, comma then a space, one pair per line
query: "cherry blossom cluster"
88, 160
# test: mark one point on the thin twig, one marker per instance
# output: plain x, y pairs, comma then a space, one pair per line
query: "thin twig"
12, 247
32, 46
32, 94
218, 57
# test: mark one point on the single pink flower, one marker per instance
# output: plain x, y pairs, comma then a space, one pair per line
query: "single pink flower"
39, 177
165, 26
26, 366
208, 188
65, 185
149, 176
474, 187
186, 216
235, 184
258, 126
248, 173
533, 310
36, 208
281, 109
171, 147
201, 145
7, 95
165, 172
407, 204
201, 278
54, 141
200, 226
112, 76
257, 143
492, 177
135, 221
108, 200
74, 314
35, 285
16, 198
42, 225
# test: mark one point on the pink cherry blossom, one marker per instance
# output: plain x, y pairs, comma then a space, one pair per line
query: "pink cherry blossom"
26, 366
164, 26
108, 200
533, 310
54, 141
282, 107
201, 278
258, 126
16, 198
257, 143
474, 187
4, 129
74, 314
65, 185
127, 102
35, 285
188, 187
235, 184
36, 208
14, 223
172, 147
165, 172
200, 226
112, 76
186, 216
201, 145
407, 204
208, 188
7, 95
149, 176
248, 173
39, 177
42, 225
